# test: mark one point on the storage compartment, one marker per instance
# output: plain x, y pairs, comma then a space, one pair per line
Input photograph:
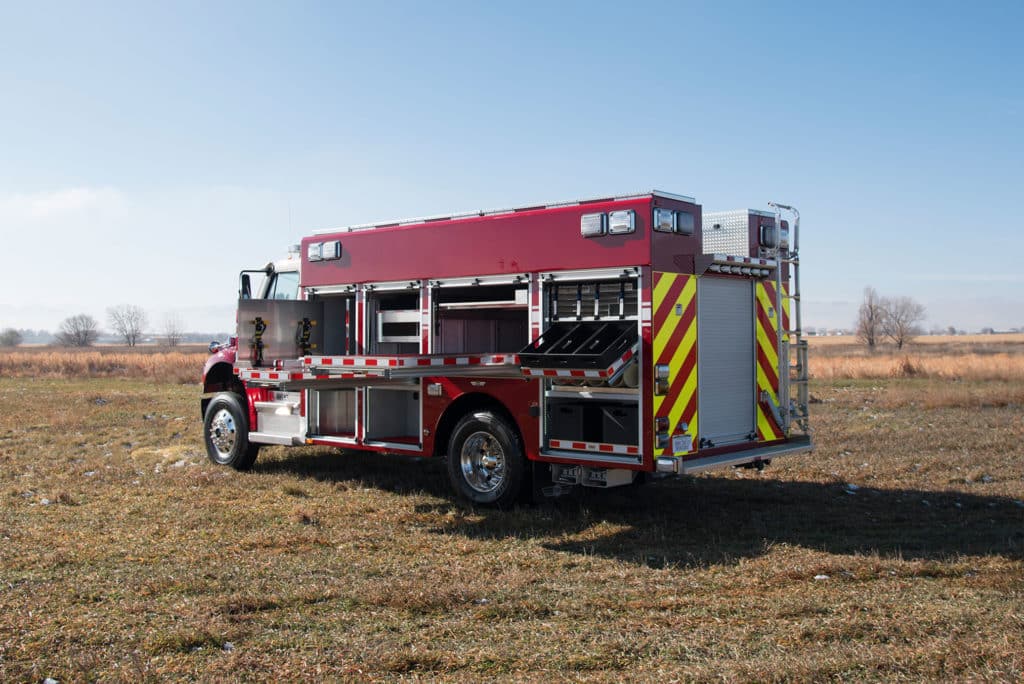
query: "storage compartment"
586, 345
610, 299
565, 421
589, 420
336, 412
480, 332
481, 319
337, 326
619, 424
392, 414
395, 322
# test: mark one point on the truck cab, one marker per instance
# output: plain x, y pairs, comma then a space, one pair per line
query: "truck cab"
278, 280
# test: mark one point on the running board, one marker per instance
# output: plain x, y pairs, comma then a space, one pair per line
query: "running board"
270, 438
795, 445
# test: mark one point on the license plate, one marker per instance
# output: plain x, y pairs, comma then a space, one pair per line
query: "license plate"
682, 444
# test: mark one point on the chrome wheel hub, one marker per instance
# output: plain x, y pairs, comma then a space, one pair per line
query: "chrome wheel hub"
223, 434
483, 462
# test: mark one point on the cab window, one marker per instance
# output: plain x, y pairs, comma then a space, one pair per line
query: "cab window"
284, 285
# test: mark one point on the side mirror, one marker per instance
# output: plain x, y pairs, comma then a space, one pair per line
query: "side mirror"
214, 347
246, 287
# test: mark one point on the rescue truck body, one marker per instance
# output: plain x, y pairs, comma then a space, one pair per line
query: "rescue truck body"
579, 343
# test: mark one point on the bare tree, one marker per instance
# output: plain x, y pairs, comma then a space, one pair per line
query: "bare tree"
870, 318
78, 331
902, 319
173, 329
128, 321
10, 338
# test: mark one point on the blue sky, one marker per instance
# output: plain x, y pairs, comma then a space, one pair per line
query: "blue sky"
149, 151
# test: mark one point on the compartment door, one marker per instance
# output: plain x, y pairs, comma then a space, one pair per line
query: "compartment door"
278, 332
725, 328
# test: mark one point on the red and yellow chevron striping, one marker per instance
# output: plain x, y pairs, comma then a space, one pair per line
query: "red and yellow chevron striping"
767, 321
674, 326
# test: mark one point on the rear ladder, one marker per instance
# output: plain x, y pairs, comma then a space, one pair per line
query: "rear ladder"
793, 371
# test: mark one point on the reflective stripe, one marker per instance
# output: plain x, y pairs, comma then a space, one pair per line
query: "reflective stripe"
675, 345
767, 357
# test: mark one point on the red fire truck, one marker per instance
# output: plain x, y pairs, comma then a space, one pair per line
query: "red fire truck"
578, 343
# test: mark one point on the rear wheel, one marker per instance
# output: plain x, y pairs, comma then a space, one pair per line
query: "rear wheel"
226, 432
486, 464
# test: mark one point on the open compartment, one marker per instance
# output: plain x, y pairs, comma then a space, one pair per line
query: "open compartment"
480, 319
394, 322
335, 412
393, 414
592, 420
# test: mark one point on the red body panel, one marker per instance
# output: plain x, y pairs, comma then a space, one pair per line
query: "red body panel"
523, 241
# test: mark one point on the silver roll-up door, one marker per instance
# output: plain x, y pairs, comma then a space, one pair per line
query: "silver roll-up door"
725, 344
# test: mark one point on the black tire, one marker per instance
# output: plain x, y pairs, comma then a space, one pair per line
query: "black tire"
486, 464
226, 432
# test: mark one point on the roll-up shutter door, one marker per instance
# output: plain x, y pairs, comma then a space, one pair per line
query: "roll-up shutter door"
725, 342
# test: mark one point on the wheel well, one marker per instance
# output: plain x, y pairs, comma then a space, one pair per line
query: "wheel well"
220, 378
469, 403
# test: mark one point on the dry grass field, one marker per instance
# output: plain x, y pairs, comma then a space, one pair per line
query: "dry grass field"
894, 552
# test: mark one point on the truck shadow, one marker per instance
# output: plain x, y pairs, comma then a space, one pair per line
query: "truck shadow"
704, 521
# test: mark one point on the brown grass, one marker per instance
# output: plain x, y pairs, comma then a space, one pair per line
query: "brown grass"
125, 555
962, 366
162, 366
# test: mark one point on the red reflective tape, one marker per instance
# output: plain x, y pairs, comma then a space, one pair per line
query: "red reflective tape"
322, 377
296, 376
326, 361
273, 376
577, 374
605, 447
579, 445
422, 362
632, 450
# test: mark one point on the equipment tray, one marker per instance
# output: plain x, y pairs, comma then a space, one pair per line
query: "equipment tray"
589, 344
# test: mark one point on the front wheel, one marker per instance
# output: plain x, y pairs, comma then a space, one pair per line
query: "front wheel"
226, 432
486, 464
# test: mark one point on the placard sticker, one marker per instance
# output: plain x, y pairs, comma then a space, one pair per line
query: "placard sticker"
682, 444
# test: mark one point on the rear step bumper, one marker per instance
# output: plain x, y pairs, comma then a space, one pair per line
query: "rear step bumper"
737, 458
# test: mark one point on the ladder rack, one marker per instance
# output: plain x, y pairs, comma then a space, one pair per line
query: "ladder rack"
793, 373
